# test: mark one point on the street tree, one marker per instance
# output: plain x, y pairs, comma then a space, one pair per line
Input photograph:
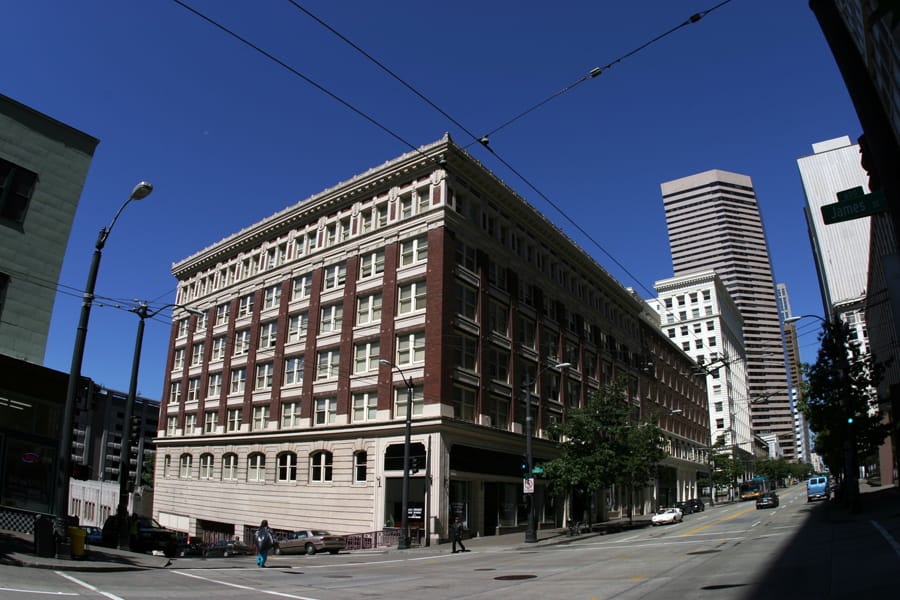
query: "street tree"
600, 446
840, 401
773, 469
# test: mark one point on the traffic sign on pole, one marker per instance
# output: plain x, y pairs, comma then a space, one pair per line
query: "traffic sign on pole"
528, 485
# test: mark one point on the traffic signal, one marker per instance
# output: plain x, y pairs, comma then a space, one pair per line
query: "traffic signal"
414, 464
850, 420
136, 423
525, 474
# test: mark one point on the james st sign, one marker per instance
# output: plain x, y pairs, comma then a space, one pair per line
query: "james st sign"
853, 204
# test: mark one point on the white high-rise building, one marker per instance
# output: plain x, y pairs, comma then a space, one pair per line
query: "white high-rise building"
698, 314
841, 250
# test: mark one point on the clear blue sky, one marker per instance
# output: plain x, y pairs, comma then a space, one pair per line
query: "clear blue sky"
229, 137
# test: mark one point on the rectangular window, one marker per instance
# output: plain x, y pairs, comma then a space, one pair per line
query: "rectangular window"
411, 348
214, 385
16, 187
498, 365
260, 418
371, 264
175, 392
366, 357
335, 276
332, 318
327, 364
406, 206
234, 419
293, 370
238, 380
411, 297
526, 332
272, 297
326, 411
498, 318
302, 286
241, 342
222, 311
245, 306
465, 256
256, 467
197, 354
193, 391
264, 373
298, 325
172, 425
401, 397
268, 335
368, 309
210, 421
290, 415
466, 351
413, 251
183, 327
218, 348
287, 467
178, 359
365, 407
190, 424
466, 301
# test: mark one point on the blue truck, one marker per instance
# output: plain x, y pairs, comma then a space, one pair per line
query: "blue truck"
817, 488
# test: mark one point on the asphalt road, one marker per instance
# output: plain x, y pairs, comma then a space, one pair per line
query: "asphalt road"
727, 553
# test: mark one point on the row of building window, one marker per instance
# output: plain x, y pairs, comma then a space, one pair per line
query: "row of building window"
287, 467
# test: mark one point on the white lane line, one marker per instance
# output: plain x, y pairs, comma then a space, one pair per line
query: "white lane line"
245, 587
20, 591
887, 536
86, 585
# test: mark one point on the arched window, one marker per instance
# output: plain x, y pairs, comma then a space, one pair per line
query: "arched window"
287, 466
206, 466
320, 466
360, 459
184, 466
229, 467
256, 467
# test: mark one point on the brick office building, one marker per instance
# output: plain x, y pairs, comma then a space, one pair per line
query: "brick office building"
287, 399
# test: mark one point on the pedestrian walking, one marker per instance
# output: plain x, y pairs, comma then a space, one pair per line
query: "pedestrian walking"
264, 542
456, 534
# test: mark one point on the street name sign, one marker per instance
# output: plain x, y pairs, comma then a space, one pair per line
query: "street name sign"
853, 204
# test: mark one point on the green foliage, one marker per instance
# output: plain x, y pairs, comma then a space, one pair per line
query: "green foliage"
147, 470
841, 385
776, 469
601, 446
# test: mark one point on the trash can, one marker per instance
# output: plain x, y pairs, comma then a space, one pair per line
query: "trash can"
77, 536
44, 540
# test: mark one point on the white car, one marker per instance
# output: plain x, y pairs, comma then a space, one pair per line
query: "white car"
667, 516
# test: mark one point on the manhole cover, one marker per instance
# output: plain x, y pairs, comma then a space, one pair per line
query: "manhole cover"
514, 577
703, 552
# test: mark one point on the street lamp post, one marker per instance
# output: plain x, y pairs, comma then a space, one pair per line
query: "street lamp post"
403, 544
531, 526
143, 312
64, 453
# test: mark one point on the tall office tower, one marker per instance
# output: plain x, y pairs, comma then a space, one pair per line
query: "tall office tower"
841, 250
714, 223
795, 372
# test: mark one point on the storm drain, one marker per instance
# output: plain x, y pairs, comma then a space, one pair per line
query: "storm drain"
514, 577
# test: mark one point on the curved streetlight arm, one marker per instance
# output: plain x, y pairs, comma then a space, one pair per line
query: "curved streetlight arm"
64, 452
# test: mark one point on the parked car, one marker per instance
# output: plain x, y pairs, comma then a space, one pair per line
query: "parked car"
310, 541
93, 536
144, 535
685, 507
188, 546
697, 505
226, 548
667, 516
767, 500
